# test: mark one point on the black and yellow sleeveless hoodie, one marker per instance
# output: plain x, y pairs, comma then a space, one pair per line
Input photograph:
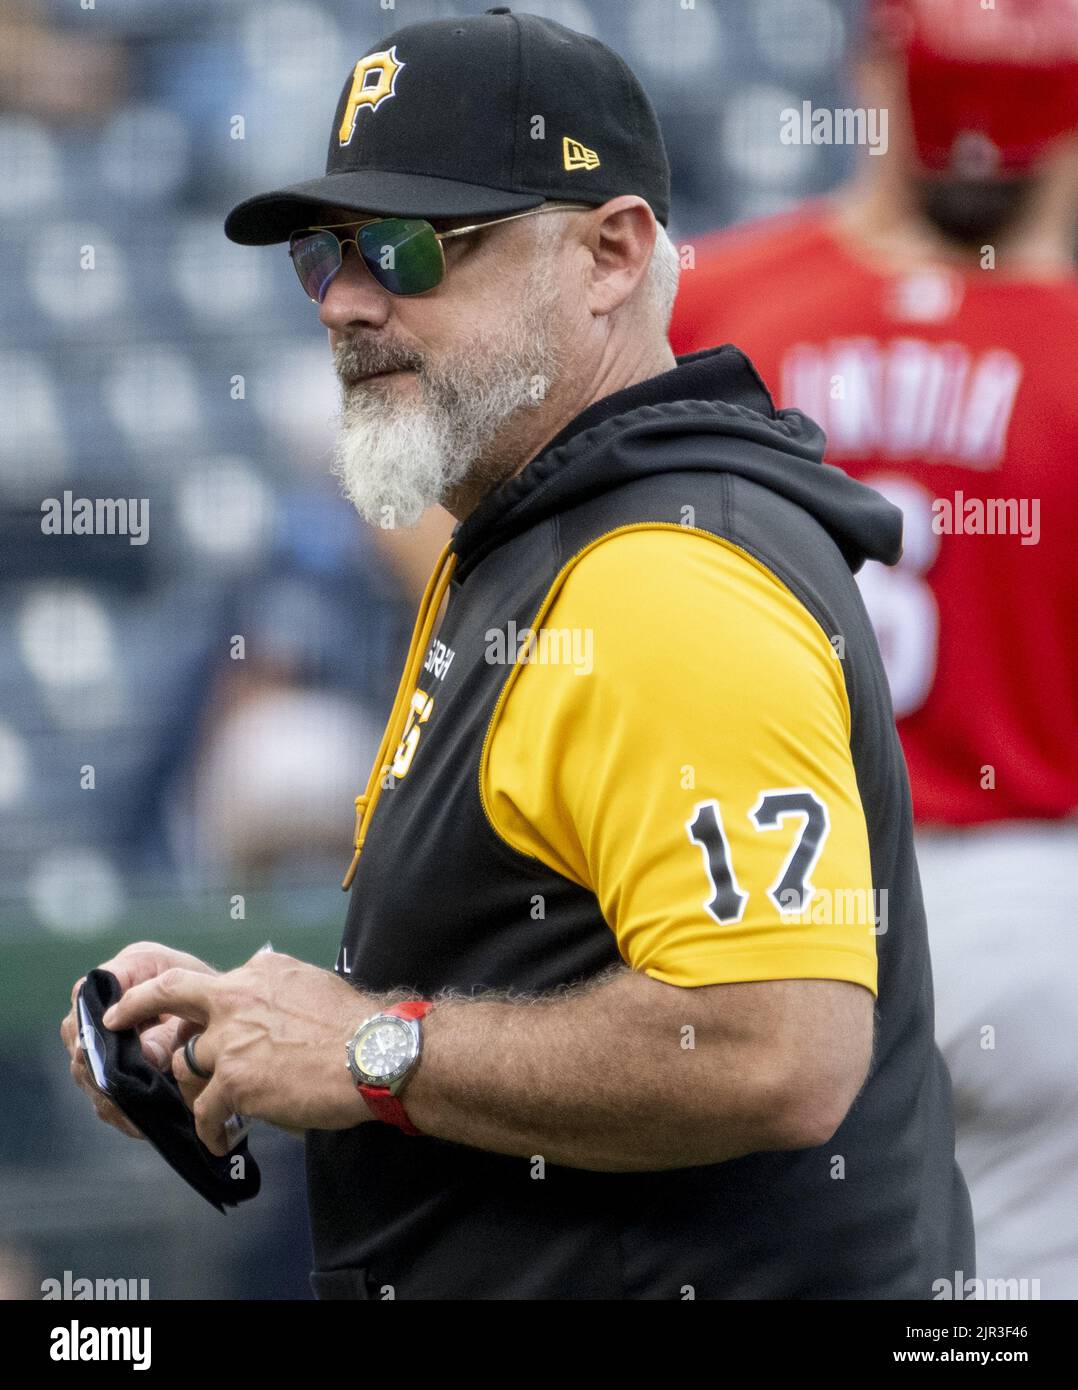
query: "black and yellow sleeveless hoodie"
441, 898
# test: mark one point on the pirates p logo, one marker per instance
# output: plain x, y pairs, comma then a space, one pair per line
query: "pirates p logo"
374, 80
578, 156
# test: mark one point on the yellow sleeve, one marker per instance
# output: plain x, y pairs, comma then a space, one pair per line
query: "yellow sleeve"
677, 741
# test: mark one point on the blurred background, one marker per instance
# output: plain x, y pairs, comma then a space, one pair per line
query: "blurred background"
158, 778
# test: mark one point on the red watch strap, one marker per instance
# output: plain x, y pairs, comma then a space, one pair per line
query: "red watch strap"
385, 1107
411, 1008
382, 1104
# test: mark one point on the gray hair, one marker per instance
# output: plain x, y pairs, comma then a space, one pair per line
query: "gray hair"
663, 275
664, 271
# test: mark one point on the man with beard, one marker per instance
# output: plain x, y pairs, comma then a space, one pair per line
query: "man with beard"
623, 870
404, 446
927, 316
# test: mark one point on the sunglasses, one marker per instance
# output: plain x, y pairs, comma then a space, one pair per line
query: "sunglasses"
404, 254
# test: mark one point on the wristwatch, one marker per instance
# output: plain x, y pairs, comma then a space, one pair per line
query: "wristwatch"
382, 1054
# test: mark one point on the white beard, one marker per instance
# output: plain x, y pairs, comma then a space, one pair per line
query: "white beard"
401, 447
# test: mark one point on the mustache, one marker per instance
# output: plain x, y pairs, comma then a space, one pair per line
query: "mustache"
357, 359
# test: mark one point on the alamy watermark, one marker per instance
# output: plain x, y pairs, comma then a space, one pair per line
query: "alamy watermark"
836, 907
987, 516
964, 1286
97, 516
544, 646
83, 1289
77, 1343
845, 125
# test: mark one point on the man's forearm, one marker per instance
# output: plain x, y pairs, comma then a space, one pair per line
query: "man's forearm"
618, 1075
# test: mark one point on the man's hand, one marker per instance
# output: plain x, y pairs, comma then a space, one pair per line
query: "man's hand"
160, 1035
272, 1032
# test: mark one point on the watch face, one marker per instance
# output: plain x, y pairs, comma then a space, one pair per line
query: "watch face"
384, 1049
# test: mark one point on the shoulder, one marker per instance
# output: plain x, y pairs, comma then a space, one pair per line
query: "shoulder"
677, 604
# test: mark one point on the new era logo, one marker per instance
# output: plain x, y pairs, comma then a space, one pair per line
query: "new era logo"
578, 156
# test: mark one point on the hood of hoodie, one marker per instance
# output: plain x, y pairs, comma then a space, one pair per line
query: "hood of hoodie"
710, 413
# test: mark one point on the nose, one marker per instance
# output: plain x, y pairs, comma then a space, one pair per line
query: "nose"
354, 296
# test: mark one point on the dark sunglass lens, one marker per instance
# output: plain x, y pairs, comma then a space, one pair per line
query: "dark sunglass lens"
403, 254
317, 258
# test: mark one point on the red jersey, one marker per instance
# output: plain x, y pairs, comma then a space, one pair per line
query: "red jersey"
955, 393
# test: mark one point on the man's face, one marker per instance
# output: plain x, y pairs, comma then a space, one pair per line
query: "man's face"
446, 390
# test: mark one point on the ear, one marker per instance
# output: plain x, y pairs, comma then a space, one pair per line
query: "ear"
620, 237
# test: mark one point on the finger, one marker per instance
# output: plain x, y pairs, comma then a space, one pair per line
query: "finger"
160, 1040
144, 960
190, 1083
70, 1033
84, 1078
131, 966
80, 1070
155, 1052
191, 1087
186, 1029
211, 1110
186, 993
111, 1115
80, 1074
105, 1109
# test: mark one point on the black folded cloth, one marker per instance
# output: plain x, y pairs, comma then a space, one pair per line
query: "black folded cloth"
151, 1100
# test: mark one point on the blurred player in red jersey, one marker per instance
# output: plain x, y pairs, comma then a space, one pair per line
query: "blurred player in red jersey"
927, 317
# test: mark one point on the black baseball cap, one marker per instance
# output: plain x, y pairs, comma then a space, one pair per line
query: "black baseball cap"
475, 117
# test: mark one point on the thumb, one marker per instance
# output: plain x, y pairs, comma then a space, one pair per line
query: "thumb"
160, 1040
